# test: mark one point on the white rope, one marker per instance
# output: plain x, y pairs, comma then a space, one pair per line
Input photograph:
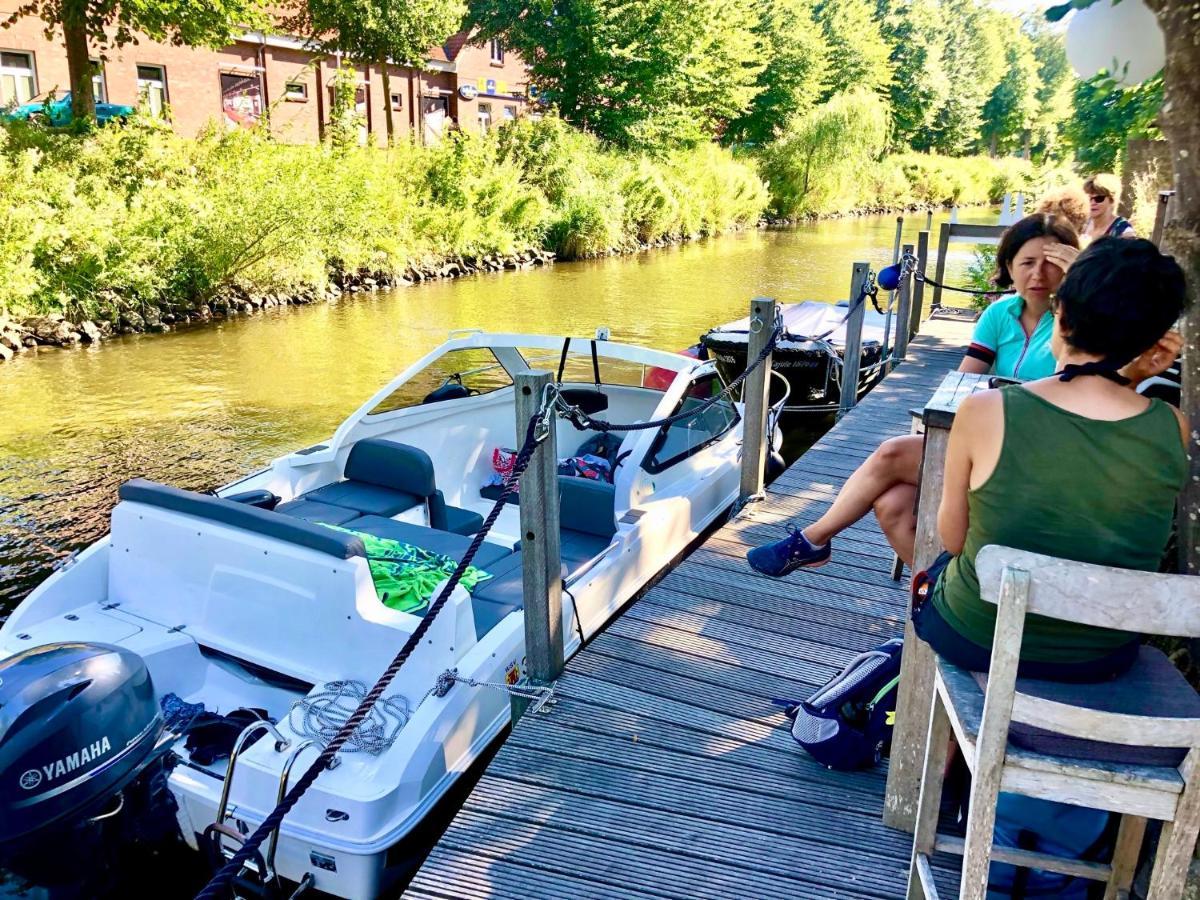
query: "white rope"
540, 695
322, 715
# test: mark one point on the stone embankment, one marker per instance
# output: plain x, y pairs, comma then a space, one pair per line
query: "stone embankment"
56, 330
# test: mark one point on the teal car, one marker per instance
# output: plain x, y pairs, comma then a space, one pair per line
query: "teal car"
56, 110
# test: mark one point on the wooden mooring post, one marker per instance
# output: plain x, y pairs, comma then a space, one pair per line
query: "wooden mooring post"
852, 361
1162, 215
903, 313
540, 559
755, 394
887, 320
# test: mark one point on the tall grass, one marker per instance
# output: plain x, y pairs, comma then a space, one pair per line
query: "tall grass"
128, 218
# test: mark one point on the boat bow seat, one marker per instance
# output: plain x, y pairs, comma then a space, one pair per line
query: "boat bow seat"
382, 478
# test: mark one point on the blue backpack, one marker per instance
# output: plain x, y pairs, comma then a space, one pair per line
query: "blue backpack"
847, 723
1059, 829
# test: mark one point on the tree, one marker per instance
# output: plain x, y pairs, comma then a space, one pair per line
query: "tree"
1054, 91
974, 66
114, 23
635, 72
797, 56
1107, 116
380, 32
919, 86
858, 53
1010, 111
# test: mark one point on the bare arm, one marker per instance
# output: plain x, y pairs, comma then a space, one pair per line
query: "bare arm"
953, 514
974, 366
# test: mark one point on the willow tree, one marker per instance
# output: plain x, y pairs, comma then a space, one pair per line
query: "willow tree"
108, 24
380, 32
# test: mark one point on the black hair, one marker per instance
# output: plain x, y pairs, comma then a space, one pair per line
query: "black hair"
1119, 297
1019, 233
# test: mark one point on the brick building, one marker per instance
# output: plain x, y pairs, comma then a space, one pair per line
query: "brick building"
477, 84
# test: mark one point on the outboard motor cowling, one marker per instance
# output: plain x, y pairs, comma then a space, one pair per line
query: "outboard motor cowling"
78, 722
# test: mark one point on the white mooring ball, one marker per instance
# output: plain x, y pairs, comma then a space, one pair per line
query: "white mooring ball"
1122, 38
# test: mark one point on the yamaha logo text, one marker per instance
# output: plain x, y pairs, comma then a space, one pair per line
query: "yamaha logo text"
57, 769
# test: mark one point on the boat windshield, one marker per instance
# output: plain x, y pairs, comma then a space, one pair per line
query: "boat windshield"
578, 367
458, 373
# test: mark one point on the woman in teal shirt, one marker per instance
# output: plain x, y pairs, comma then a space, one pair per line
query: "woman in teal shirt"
1011, 339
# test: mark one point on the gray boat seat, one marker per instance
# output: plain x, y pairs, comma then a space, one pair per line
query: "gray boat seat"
587, 525
382, 478
444, 543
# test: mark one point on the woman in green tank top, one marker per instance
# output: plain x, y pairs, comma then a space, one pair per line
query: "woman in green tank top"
1077, 466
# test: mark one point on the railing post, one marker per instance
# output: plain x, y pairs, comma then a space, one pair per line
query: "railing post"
940, 271
540, 562
852, 360
887, 320
903, 312
755, 439
918, 302
1161, 216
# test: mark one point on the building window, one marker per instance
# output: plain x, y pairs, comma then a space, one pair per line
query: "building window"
497, 51
99, 88
152, 89
485, 117
510, 113
241, 98
296, 91
18, 82
397, 100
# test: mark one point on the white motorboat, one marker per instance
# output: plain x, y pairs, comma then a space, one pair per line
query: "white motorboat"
246, 600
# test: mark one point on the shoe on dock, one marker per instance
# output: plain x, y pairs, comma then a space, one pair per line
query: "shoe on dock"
785, 556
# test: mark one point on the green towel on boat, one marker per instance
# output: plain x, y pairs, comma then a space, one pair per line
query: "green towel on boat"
406, 576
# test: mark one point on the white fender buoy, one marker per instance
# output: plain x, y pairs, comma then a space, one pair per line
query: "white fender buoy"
1122, 38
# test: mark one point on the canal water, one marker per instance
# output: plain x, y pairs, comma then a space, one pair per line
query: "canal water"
199, 407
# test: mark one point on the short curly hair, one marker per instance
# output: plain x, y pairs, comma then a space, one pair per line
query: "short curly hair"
1066, 202
1105, 183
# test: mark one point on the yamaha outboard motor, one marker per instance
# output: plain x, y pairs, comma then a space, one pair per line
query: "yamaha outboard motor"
79, 722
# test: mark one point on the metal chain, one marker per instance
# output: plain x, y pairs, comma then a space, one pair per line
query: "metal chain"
220, 883
541, 695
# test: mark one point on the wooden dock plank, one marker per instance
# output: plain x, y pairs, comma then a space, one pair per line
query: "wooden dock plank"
665, 769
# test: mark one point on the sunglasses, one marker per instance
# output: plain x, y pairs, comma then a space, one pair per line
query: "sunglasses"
1098, 198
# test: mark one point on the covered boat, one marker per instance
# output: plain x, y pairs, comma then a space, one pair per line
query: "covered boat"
809, 356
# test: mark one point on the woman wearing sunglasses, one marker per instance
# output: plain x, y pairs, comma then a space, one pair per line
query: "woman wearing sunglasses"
1104, 191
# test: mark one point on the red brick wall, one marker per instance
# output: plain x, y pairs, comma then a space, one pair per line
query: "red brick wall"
194, 81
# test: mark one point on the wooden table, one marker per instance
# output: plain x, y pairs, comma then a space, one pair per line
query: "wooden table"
916, 668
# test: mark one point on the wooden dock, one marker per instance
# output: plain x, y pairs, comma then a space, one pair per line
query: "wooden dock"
664, 769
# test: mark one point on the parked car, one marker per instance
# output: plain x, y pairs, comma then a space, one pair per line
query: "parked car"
56, 110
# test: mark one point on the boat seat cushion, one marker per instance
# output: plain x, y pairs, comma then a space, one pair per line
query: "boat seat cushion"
499, 596
368, 499
586, 506
431, 539
240, 515
578, 547
390, 464
459, 520
313, 511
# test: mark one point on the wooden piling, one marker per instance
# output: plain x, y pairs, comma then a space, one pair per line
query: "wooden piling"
1162, 215
755, 394
918, 302
852, 361
903, 313
940, 272
540, 557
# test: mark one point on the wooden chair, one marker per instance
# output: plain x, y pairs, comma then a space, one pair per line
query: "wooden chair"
999, 724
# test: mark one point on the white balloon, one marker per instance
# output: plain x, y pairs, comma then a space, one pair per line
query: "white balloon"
1122, 38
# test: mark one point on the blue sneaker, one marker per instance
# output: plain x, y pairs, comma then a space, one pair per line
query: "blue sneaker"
786, 556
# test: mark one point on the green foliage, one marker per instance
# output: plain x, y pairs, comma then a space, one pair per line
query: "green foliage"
814, 165
648, 74
797, 57
920, 86
979, 275
858, 53
133, 217
974, 61
1107, 116
345, 121
1011, 110
1055, 80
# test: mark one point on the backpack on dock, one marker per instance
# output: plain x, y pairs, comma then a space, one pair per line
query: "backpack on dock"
847, 723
